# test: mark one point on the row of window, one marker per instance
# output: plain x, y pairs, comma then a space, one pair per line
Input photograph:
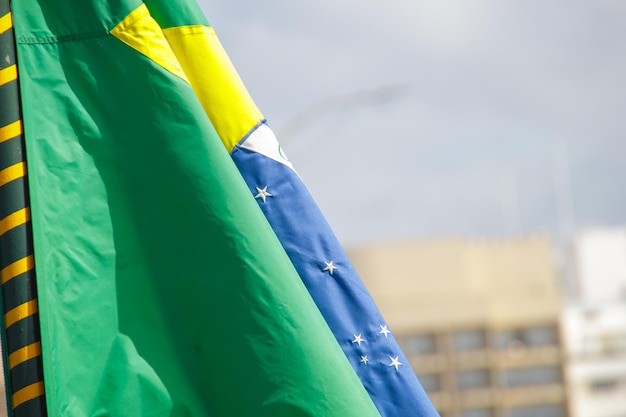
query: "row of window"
475, 339
543, 410
606, 344
480, 378
607, 385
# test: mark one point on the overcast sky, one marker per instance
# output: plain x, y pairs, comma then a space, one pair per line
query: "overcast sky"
421, 119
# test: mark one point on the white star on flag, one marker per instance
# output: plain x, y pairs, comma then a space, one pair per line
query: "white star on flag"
330, 267
395, 362
263, 194
384, 330
364, 359
358, 339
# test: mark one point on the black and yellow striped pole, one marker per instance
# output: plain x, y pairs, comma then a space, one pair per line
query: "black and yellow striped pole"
17, 269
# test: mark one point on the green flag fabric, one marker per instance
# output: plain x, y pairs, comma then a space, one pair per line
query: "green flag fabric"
163, 291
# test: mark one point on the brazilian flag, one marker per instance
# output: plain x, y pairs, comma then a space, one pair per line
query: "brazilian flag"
162, 289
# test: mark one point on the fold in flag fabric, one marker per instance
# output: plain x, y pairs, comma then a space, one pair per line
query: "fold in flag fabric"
332, 281
163, 290
183, 269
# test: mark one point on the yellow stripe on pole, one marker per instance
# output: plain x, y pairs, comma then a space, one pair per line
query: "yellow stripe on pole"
27, 393
23, 354
20, 312
17, 268
8, 74
12, 173
10, 131
6, 23
14, 220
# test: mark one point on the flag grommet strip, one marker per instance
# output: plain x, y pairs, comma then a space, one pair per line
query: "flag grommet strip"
17, 267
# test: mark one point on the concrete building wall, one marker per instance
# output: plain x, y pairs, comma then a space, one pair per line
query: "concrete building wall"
595, 325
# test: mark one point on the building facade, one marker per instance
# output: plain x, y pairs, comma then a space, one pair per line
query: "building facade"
595, 325
479, 321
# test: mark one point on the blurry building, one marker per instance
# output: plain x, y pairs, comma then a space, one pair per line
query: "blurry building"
479, 321
600, 265
595, 325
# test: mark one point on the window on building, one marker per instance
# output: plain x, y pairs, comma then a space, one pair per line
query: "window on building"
477, 412
468, 340
620, 342
532, 336
541, 336
419, 344
611, 343
430, 382
604, 385
544, 410
507, 339
474, 378
538, 375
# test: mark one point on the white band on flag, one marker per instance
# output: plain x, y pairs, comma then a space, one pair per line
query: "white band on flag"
262, 140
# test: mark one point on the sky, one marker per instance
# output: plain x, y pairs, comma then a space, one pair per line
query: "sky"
427, 119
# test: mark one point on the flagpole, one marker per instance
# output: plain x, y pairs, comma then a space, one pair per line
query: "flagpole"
21, 335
